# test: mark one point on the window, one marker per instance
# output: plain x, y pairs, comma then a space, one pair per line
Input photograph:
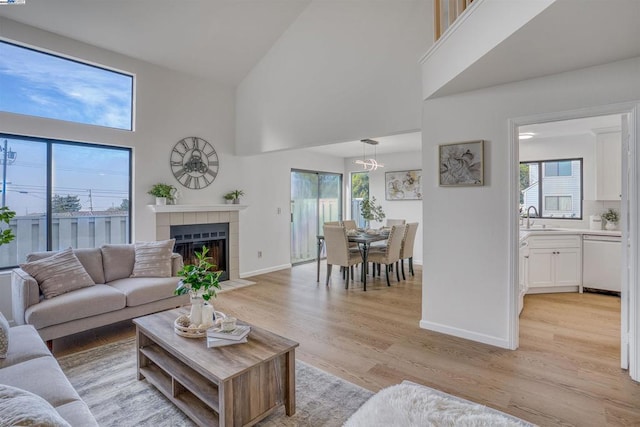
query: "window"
556, 193
64, 194
359, 191
45, 85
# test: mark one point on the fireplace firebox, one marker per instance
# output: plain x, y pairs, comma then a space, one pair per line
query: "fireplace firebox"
192, 237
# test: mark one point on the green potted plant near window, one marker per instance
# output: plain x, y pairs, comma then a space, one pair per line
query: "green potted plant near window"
612, 217
371, 211
200, 281
162, 193
6, 235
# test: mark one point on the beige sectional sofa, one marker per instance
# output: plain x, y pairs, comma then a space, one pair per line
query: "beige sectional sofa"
115, 296
29, 366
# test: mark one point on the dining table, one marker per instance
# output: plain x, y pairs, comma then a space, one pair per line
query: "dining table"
364, 241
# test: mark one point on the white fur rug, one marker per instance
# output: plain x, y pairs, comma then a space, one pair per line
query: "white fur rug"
413, 405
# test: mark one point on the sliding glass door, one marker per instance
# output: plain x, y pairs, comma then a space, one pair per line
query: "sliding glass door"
316, 197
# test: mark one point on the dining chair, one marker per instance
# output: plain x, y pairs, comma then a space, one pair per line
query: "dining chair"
391, 222
390, 254
406, 250
332, 223
338, 253
349, 224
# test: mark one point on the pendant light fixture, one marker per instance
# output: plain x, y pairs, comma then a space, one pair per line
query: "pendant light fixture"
369, 164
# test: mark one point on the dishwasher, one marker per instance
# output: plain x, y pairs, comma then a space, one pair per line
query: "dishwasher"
601, 262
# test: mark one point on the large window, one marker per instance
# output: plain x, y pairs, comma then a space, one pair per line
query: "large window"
44, 85
553, 187
359, 191
64, 195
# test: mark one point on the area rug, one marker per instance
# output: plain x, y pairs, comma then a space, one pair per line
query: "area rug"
105, 377
414, 405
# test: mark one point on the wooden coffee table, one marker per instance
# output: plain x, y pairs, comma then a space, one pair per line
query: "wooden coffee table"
236, 385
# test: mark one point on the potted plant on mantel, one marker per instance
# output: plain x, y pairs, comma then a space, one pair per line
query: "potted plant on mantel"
162, 193
200, 281
236, 196
228, 198
371, 211
612, 218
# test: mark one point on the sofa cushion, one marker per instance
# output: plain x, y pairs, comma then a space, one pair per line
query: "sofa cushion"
143, 290
75, 305
90, 258
59, 273
43, 377
22, 408
4, 337
117, 261
153, 259
77, 413
26, 344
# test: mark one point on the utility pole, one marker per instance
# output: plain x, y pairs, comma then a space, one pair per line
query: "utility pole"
90, 202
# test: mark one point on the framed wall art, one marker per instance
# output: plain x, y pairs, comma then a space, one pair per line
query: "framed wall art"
403, 185
462, 163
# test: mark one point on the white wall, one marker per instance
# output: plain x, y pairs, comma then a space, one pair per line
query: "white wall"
267, 182
411, 210
466, 235
343, 71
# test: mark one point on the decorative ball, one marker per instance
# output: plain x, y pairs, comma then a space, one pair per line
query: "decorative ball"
183, 321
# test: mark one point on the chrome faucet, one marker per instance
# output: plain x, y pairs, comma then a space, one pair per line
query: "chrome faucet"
528, 210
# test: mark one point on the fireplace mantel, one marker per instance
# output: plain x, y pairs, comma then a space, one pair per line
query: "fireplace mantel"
196, 208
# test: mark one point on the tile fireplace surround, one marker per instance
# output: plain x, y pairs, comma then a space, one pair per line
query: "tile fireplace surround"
169, 215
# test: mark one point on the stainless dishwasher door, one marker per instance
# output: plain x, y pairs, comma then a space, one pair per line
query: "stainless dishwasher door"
601, 262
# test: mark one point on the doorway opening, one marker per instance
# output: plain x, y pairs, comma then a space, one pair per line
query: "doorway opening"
554, 253
316, 197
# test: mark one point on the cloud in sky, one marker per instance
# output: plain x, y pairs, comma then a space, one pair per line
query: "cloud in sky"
44, 85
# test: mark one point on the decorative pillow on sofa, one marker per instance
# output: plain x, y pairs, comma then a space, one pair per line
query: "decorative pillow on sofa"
21, 408
153, 259
59, 273
4, 337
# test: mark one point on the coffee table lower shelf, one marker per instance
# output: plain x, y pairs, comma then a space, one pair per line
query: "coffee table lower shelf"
196, 397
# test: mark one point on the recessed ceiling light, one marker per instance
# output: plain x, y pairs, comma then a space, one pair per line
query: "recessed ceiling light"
526, 135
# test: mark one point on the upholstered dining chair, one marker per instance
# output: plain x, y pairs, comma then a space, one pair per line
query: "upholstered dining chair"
391, 222
332, 223
338, 253
390, 254
349, 224
406, 251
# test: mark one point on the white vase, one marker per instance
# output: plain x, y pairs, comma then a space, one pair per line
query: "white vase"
161, 201
195, 317
611, 225
207, 314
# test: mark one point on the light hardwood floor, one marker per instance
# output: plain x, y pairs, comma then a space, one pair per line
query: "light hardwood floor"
566, 371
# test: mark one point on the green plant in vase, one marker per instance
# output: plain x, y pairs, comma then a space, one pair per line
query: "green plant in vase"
612, 217
200, 281
162, 193
371, 211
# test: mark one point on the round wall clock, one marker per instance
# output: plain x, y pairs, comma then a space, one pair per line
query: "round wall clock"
194, 162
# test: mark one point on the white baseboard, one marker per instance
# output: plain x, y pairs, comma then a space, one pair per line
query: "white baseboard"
264, 270
463, 333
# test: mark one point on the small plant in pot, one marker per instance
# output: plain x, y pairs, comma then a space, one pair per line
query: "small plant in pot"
228, 198
200, 281
236, 196
612, 217
162, 193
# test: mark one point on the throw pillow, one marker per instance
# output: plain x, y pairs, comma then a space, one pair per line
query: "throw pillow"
21, 408
59, 273
153, 259
4, 337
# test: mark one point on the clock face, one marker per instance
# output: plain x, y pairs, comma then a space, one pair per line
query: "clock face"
194, 162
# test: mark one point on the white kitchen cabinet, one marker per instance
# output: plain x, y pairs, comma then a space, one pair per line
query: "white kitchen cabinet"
608, 164
554, 264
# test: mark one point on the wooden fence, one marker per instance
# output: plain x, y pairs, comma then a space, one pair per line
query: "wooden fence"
78, 230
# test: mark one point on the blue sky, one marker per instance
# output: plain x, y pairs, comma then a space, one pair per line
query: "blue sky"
44, 85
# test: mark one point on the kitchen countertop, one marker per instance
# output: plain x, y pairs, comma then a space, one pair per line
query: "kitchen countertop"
551, 231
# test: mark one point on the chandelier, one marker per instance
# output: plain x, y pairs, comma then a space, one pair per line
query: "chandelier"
369, 164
